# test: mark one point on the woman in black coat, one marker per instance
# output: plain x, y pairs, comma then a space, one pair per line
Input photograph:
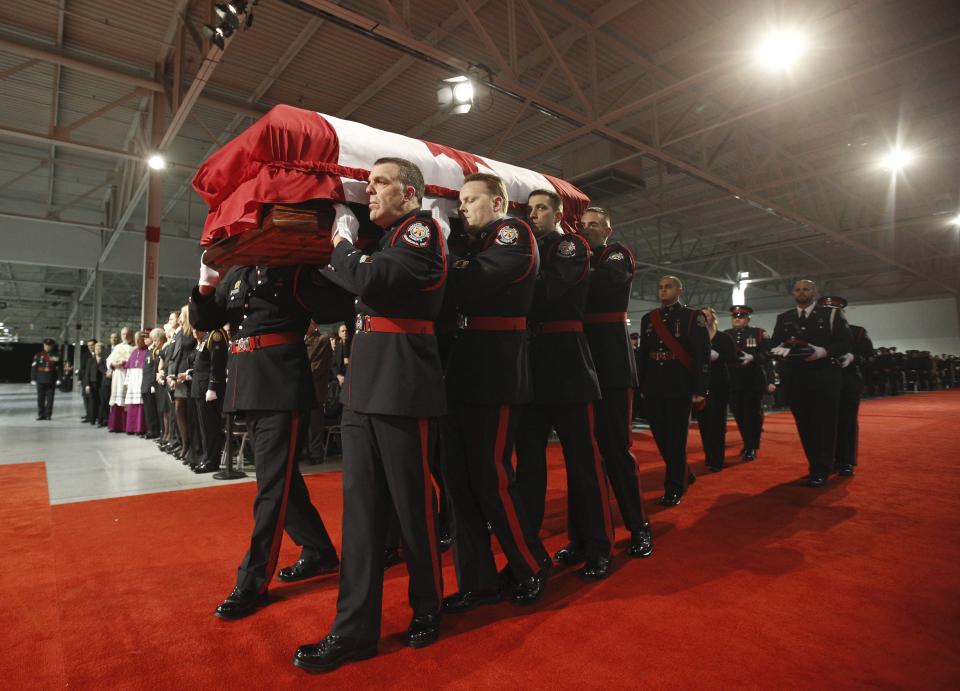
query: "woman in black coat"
712, 419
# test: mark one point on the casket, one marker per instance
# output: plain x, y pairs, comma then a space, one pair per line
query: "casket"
271, 190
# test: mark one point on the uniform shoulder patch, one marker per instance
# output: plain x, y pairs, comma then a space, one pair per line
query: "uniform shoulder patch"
417, 234
615, 257
566, 248
366, 259
461, 264
507, 235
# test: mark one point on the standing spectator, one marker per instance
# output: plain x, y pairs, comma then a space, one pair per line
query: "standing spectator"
148, 386
320, 354
106, 378
206, 389
117, 363
90, 383
184, 344
133, 397
341, 354
712, 418
44, 373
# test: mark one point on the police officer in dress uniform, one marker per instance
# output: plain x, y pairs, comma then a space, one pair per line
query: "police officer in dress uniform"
748, 379
851, 364
268, 309
206, 390
488, 378
674, 376
44, 373
565, 391
808, 337
605, 323
393, 396
712, 418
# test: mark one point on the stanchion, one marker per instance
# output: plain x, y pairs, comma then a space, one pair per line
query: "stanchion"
226, 459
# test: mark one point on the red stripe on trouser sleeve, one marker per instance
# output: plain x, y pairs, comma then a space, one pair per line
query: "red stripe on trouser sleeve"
601, 475
429, 506
282, 515
505, 499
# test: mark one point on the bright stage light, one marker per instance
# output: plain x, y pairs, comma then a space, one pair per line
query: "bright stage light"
955, 220
455, 95
156, 162
897, 160
780, 50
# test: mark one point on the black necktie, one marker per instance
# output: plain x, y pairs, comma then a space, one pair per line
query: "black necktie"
803, 316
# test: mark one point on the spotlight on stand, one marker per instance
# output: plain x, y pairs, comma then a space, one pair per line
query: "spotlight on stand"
233, 16
455, 95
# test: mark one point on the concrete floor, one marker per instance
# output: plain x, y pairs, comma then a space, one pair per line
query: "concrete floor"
86, 462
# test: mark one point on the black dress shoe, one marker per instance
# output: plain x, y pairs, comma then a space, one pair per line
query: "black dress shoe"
308, 568
206, 468
391, 557
240, 603
714, 468
531, 590
424, 629
670, 499
816, 481
332, 652
846, 470
749, 455
507, 582
41, 417
641, 544
596, 569
471, 599
570, 555
691, 478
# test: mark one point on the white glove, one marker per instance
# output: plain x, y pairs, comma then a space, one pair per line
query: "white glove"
818, 353
33, 383
208, 276
211, 395
846, 360
86, 389
714, 355
345, 224
153, 389
781, 351
746, 358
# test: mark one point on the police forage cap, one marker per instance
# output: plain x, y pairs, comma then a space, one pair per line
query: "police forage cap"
832, 301
741, 309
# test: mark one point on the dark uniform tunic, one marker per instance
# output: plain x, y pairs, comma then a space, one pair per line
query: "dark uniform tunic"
271, 386
848, 426
105, 381
813, 388
565, 388
605, 324
210, 374
712, 418
90, 378
668, 385
44, 372
392, 397
148, 387
488, 376
748, 384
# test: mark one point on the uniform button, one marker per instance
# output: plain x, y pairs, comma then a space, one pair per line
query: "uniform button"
240, 327
246, 306
259, 282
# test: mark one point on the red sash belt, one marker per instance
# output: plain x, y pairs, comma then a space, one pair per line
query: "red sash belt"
251, 343
392, 325
566, 326
605, 318
469, 323
662, 357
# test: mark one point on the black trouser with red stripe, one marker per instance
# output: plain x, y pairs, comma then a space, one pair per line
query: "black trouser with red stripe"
589, 524
614, 437
747, 408
482, 487
669, 420
282, 499
386, 458
848, 425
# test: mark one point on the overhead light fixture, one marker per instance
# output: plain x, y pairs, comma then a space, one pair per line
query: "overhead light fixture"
455, 95
955, 220
780, 50
156, 162
897, 160
233, 16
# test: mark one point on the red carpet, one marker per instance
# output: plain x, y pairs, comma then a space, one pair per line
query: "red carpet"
757, 581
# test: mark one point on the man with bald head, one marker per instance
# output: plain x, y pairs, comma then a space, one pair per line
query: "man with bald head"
809, 338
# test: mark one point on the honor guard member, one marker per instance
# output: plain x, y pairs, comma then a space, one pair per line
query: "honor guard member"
674, 376
44, 373
206, 389
748, 379
851, 387
392, 397
808, 337
605, 323
565, 389
712, 418
488, 378
268, 382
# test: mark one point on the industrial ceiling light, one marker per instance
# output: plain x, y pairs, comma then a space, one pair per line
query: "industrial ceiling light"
896, 160
156, 162
455, 95
233, 16
955, 220
781, 50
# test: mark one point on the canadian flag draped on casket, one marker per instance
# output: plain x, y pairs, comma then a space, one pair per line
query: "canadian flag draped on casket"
271, 190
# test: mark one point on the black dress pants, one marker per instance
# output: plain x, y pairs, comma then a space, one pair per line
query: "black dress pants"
814, 400
386, 459
45, 394
211, 429
150, 414
712, 421
615, 437
589, 523
482, 487
848, 426
669, 420
747, 408
104, 406
282, 499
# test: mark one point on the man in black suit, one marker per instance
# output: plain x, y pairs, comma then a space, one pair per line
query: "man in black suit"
90, 383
